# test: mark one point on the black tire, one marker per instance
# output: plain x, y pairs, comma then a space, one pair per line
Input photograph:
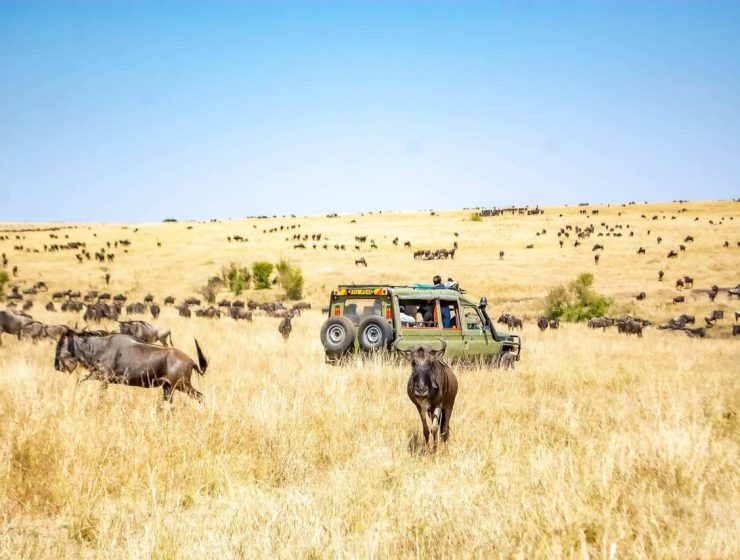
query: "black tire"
375, 333
337, 334
505, 360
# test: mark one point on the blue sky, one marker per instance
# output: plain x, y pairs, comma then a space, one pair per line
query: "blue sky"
137, 111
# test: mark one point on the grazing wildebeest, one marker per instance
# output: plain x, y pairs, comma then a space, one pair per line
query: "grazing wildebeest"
135, 307
712, 293
154, 310
146, 332
641, 251
698, 332
679, 299
120, 358
554, 323
12, 323
510, 321
641, 296
542, 323
50, 306
733, 292
688, 281
600, 322
169, 300
679, 284
285, 327
184, 311
630, 326
432, 387
660, 275
149, 298
672, 254
735, 330
33, 329
239, 313
361, 261
192, 301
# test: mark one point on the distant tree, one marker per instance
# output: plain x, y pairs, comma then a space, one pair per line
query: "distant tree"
476, 217
576, 301
237, 279
170, 220
290, 279
261, 272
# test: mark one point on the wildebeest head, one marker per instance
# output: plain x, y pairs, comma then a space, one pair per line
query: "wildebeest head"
65, 358
424, 368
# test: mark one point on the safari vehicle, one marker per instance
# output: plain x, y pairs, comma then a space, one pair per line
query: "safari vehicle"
371, 318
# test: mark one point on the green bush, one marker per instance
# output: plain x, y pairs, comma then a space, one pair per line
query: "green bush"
576, 301
4, 279
261, 272
236, 279
170, 221
476, 217
290, 279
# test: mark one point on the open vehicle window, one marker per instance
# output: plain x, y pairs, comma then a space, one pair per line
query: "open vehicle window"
418, 313
358, 309
472, 318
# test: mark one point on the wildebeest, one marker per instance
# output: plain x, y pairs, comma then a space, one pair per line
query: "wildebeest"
510, 321
121, 359
600, 322
679, 299
554, 324
735, 330
361, 261
543, 323
50, 306
713, 291
641, 296
630, 326
285, 327
184, 311
688, 281
135, 307
500, 255
12, 323
432, 387
679, 284
146, 332
169, 300
660, 275
154, 310
239, 313
672, 254
596, 259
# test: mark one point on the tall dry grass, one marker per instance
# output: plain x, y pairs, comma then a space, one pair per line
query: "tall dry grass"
596, 445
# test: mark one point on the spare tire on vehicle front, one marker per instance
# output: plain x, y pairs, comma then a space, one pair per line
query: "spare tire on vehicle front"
375, 333
337, 334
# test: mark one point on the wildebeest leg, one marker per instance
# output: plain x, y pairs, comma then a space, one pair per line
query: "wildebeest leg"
190, 391
445, 422
423, 416
436, 417
167, 389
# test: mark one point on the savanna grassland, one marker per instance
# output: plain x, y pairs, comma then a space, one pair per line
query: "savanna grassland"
597, 445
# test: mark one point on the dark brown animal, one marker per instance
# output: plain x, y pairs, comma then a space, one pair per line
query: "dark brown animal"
679, 299
121, 359
432, 388
12, 323
543, 323
285, 327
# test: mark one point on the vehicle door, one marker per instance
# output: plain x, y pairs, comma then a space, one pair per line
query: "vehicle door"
477, 339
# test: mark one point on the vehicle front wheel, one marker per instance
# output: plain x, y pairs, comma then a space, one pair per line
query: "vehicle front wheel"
374, 333
337, 334
505, 360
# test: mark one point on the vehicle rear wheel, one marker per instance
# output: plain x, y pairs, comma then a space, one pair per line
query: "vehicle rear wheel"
337, 334
374, 333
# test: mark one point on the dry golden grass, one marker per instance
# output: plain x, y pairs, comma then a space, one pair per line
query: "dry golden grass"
596, 445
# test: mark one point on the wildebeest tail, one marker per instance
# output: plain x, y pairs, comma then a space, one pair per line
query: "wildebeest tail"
202, 362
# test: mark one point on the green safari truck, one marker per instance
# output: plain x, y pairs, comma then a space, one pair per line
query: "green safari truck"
372, 318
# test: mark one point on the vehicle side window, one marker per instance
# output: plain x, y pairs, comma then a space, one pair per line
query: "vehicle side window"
472, 319
418, 313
